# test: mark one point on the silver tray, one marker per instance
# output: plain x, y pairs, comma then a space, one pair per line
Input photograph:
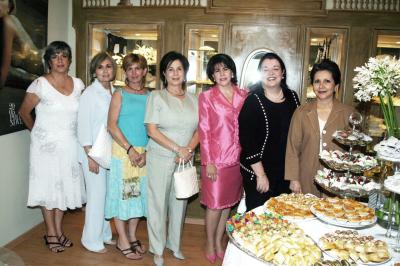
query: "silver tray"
345, 193
333, 221
248, 252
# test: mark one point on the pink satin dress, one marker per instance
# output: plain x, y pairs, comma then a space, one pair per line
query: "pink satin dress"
219, 145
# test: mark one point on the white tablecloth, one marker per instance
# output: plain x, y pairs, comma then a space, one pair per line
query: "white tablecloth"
315, 229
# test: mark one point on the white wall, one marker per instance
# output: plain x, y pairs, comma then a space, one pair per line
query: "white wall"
15, 217
59, 26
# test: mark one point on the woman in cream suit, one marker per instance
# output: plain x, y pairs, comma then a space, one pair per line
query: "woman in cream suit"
171, 118
92, 115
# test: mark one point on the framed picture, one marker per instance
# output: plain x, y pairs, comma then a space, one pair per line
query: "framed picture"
23, 34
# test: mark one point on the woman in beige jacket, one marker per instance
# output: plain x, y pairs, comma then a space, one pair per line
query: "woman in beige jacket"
312, 127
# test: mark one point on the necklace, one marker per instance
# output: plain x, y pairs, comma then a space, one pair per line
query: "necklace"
277, 97
141, 90
176, 94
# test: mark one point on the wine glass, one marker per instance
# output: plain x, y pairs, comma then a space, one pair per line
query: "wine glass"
355, 119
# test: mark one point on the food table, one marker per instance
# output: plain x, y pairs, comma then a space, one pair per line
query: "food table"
314, 228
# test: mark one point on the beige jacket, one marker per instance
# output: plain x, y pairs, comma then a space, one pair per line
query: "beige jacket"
303, 142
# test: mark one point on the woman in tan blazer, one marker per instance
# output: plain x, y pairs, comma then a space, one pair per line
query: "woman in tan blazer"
312, 127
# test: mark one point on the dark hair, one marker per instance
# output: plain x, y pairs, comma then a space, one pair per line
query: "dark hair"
96, 62
166, 61
11, 6
55, 48
329, 66
224, 59
131, 59
276, 57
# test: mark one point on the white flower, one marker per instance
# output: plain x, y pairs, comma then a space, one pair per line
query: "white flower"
148, 52
378, 77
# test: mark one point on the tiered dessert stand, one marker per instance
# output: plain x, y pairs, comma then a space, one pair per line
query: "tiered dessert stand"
344, 177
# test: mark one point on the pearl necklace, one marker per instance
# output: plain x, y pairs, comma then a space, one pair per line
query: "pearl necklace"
272, 97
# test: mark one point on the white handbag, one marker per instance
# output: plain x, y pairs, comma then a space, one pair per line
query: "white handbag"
101, 149
185, 180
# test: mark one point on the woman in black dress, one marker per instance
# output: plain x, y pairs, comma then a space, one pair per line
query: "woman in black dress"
263, 129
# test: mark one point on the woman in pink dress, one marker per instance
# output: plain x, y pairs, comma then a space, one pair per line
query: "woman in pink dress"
221, 181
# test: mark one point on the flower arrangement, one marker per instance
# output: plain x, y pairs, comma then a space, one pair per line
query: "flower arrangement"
148, 52
380, 77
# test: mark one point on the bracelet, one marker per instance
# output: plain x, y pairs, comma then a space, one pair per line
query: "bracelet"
175, 149
130, 147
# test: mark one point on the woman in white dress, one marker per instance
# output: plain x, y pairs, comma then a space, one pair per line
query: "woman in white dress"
92, 115
55, 179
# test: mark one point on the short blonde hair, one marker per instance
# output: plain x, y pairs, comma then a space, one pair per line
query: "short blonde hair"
131, 59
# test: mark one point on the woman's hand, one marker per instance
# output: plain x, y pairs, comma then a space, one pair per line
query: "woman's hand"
133, 157
185, 153
93, 166
262, 183
211, 171
141, 160
295, 186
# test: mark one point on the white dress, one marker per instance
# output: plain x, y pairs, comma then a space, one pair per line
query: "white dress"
55, 177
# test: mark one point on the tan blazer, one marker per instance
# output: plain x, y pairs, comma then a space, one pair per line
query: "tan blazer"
303, 142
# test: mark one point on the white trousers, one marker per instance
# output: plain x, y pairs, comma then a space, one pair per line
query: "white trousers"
96, 230
163, 205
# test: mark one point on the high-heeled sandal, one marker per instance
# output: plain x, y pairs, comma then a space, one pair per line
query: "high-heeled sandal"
221, 255
55, 247
65, 241
128, 251
211, 258
135, 245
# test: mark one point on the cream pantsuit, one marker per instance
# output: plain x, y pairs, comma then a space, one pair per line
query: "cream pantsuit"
177, 120
163, 203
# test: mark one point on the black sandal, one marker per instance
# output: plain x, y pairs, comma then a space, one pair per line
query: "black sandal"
128, 251
137, 244
65, 241
55, 247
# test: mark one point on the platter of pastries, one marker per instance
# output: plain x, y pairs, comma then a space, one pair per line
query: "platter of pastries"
351, 246
340, 183
350, 137
272, 240
343, 161
388, 149
392, 183
292, 206
344, 212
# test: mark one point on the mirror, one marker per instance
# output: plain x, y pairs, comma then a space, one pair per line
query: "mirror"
388, 43
250, 74
121, 39
202, 42
322, 43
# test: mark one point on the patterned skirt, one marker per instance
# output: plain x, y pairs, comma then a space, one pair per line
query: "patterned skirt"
126, 196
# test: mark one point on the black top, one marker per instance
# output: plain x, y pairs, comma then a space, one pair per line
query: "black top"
263, 131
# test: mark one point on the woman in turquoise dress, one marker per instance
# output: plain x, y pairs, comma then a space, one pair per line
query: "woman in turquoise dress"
126, 199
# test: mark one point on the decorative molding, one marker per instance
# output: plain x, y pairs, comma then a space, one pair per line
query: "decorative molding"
95, 3
364, 5
175, 3
311, 7
143, 3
